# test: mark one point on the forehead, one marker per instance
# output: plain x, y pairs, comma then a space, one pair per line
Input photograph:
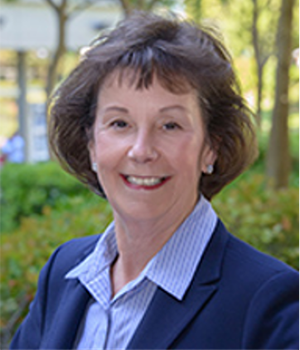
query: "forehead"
122, 89
136, 79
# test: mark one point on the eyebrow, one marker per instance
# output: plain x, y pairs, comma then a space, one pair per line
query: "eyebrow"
165, 109
161, 110
116, 109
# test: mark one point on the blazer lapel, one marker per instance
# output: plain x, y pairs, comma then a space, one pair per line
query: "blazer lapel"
65, 324
166, 316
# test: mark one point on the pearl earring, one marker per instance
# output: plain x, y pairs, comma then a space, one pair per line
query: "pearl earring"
94, 167
209, 169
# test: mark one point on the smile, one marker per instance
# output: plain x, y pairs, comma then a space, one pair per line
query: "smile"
149, 182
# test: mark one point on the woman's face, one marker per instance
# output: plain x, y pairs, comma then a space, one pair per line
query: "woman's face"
150, 150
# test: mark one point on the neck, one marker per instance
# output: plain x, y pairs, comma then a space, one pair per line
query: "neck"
138, 242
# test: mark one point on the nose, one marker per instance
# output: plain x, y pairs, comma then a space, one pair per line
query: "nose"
143, 148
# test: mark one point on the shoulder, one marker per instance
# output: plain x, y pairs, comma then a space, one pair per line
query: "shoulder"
248, 262
262, 293
51, 297
268, 289
248, 275
70, 254
259, 275
52, 282
78, 247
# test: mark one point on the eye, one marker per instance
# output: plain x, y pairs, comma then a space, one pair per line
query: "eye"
171, 126
119, 124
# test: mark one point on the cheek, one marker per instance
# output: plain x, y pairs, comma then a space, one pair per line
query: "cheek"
190, 153
106, 151
186, 162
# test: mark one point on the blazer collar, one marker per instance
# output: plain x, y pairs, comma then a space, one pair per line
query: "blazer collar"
73, 302
65, 325
158, 329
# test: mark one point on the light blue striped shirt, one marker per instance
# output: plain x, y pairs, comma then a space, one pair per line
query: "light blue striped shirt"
110, 323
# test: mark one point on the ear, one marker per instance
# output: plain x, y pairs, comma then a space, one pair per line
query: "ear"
209, 157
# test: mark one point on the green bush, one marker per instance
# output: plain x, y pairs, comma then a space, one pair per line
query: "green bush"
261, 216
27, 188
26, 250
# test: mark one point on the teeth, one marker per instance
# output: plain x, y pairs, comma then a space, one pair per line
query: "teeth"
149, 181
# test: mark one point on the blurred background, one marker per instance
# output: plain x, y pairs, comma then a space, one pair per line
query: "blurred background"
41, 207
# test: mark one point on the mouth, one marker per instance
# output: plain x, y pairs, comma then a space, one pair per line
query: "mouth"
145, 182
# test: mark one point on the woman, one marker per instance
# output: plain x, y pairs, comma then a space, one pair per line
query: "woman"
152, 119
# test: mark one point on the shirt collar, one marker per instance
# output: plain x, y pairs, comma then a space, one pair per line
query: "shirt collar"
175, 264
103, 255
173, 267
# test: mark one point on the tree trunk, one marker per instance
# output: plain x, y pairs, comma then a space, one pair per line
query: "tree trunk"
261, 54
260, 63
126, 8
259, 66
278, 159
60, 49
259, 94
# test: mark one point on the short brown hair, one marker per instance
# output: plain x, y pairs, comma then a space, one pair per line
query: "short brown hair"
181, 55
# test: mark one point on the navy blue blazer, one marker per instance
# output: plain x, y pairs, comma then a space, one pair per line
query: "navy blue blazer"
239, 299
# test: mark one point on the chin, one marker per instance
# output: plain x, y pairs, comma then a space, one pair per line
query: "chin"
140, 212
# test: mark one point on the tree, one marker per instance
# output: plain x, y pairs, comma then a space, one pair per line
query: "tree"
254, 33
64, 11
263, 46
278, 158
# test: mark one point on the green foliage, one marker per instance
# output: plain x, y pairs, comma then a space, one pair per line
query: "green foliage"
27, 188
193, 9
25, 250
261, 216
